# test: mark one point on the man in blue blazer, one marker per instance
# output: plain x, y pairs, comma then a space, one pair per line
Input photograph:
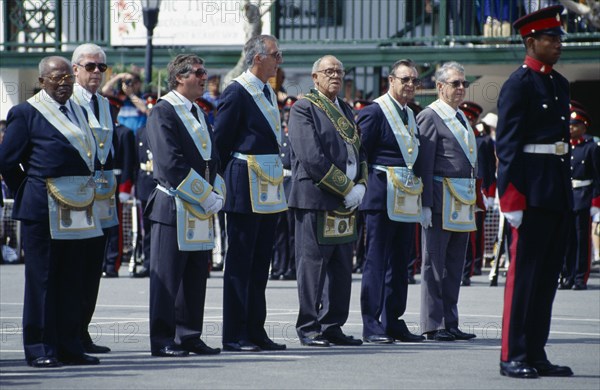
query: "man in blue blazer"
48, 135
389, 135
329, 176
248, 135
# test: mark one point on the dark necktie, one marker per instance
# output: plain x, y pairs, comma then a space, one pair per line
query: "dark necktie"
461, 120
267, 93
403, 115
95, 106
64, 110
195, 113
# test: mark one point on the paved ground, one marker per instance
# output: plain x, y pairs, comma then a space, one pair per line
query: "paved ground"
121, 322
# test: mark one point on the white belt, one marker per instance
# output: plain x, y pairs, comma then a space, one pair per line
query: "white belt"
558, 148
241, 156
581, 183
164, 189
287, 172
117, 171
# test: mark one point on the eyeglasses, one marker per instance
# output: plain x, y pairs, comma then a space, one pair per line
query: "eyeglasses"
457, 83
60, 80
200, 72
278, 55
405, 80
332, 72
91, 66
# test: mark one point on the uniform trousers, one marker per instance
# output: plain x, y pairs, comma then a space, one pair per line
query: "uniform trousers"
320, 310
177, 289
578, 257
249, 250
537, 251
443, 260
385, 273
53, 287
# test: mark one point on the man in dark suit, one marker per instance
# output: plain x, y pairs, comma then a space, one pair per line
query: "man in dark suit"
181, 206
89, 65
534, 187
448, 153
248, 134
329, 176
144, 184
392, 202
48, 135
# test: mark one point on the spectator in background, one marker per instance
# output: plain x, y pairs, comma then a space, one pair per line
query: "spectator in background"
127, 86
213, 92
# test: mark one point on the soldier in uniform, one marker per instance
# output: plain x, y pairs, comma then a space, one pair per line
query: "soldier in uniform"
50, 137
188, 193
284, 255
329, 176
248, 134
89, 65
585, 177
392, 205
534, 187
448, 154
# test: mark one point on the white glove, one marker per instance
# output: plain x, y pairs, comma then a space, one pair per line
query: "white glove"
124, 197
514, 218
354, 197
213, 203
594, 210
489, 202
426, 218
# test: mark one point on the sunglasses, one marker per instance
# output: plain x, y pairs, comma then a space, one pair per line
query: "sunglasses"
200, 72
457, 83
91, 66
60, 80
405, 80
332, 72
277, 55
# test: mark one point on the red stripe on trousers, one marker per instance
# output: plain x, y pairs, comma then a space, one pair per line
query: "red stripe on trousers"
508, 293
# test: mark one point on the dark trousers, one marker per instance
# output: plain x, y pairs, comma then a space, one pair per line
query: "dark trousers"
177, 289
92, 273
385, 274
147, 236
537, 251
249, 249
576, 268
319, 310
53, 286
475, 247
284, 255
443, 261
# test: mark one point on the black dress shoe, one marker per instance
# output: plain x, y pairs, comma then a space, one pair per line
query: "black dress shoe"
241, 346
402, 333
517, 370
81, 360
378, 339
466, 282
314, 341
110, 274
411, 279
171, 351
269, 345
440, 335
460, 335
579, 286
289, 275
143, 273
494, 281
44, 362
545, 368
94, 348
198, 347
338, 338
275, 276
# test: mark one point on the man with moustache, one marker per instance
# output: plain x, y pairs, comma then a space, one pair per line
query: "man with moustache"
248, 134
329, 177
89, 65
49, 137
534, 188
448, 153
187, 194
392, 205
